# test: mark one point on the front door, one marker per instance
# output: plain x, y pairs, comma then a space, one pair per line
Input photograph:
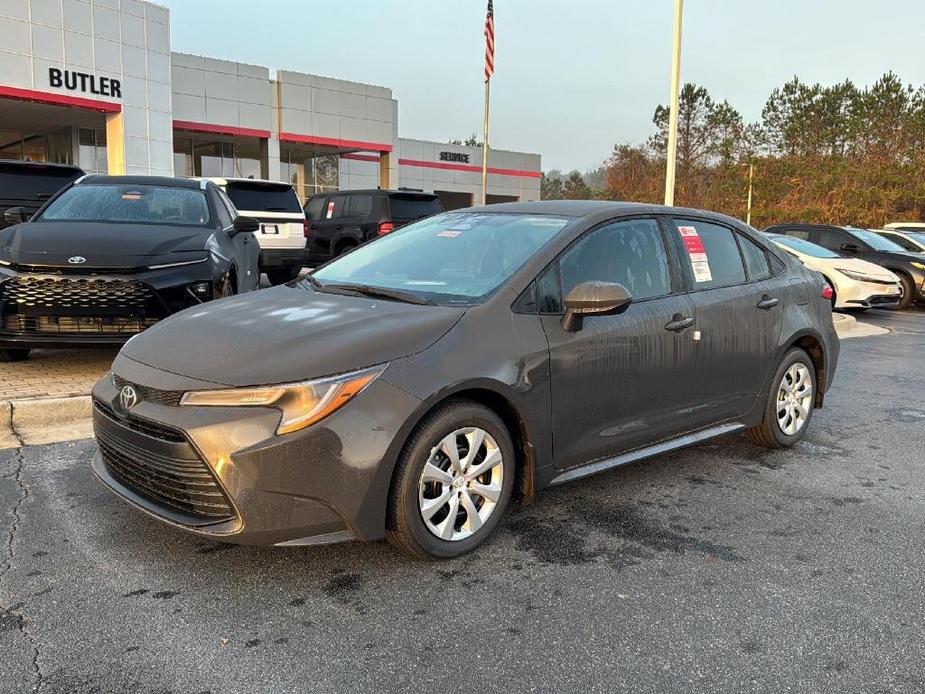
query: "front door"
738, 316
622, 381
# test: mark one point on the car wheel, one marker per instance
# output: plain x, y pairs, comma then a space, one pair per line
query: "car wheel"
227, 288
452, 483
283, 275
790, 403
907, 293
344, 248
16, 354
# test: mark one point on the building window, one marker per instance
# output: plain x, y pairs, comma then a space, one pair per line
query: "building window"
52, 147
309, 171
226, 157
91, 151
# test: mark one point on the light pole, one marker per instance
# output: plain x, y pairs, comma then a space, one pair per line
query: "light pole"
748, 210
673, 108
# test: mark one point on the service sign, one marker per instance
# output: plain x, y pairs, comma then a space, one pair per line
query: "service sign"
457, 157
698, 254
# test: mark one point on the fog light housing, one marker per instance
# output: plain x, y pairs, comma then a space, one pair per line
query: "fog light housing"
201, 289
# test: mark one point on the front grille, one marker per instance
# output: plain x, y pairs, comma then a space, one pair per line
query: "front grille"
36, 292
877, 300
170, 398
183, 483
85, 325
142, 426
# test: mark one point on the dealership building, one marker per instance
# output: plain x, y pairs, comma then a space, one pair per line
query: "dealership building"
94, 83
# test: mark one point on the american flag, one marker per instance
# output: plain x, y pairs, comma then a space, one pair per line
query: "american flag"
489, 42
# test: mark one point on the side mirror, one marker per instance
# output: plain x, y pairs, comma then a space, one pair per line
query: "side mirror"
243, 225
850, 248
593, 299
17, 215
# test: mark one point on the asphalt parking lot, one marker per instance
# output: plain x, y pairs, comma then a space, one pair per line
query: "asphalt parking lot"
721, 568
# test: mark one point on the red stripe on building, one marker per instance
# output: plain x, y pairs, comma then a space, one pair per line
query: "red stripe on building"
360, 157
59, 99
220, 129
335, 142
464, 167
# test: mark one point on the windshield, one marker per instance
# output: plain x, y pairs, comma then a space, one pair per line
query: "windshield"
876, 241
263, 197
453, 258
805, 247
130, 204
917, 236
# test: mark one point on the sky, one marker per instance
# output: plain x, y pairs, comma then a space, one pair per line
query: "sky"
572, 78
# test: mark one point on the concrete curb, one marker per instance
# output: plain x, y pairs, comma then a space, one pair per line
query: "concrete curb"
45, 420
847, 326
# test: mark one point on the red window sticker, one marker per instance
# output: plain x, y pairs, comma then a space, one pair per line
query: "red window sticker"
698, 254
330, 212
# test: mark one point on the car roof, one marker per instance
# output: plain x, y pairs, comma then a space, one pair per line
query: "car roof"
377, 191
221, 181
162, 181
596, 209
40, 165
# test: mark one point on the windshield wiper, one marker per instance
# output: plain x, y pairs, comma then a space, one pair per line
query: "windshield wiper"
312, 281
381, 292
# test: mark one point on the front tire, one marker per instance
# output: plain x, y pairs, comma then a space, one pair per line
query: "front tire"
790, 403
227, 287
452, 483
908, 293
14, 354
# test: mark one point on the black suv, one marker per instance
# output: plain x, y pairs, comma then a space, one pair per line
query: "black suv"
26, 185
110, 256
341, 221
866, 245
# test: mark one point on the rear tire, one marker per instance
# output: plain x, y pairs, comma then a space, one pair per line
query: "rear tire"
14, 354
908, 289
281, 275
344, 248
463, 505
790, 404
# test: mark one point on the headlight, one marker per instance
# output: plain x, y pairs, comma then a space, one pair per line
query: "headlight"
859, 276
302, 404
920, 266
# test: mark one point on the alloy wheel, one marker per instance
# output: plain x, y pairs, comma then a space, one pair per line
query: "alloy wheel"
460, 484
794, 399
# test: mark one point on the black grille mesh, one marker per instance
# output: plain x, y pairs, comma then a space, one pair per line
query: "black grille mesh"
171, 398
30, 292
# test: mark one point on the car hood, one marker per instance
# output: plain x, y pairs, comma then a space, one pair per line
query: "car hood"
103, 245
853, 264
287, 333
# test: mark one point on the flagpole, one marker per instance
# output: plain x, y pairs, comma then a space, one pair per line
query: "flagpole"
485, 146
673, 108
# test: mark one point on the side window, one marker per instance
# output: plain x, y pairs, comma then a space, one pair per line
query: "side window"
225, 211
798, 233
314, 208
547, 291
713, 254
831, 239
902, 241
359, 205
756, 260
337, 204
630, 252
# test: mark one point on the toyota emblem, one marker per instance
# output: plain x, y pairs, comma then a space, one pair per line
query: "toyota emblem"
76, 260
128, 396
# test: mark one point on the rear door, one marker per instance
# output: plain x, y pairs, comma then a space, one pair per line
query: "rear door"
622, 381
277, 208
406, 208
739, 298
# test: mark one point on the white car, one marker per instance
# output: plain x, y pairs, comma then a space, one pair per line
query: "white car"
910, 236
283, 227
857, 283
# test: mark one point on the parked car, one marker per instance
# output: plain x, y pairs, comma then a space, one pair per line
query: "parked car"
434, 372
341, 221
109, 256
283, 227
856, 283
869, 246
26, 185
910, 240
906, 226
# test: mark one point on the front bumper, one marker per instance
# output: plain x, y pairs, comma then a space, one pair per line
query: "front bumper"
55, 309
857, 294
326, 483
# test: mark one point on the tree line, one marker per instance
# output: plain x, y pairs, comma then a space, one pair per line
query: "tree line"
837, 154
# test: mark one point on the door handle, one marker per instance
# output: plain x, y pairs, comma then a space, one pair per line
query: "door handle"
767, 302
679, 323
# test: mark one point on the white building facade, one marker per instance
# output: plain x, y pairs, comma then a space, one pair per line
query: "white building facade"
94, 83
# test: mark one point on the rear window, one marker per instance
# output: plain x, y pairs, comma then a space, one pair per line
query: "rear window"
33, 183
130, 204
263, 197
413, 206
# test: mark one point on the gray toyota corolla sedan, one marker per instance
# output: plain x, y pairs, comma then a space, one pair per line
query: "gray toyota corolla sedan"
410, 388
